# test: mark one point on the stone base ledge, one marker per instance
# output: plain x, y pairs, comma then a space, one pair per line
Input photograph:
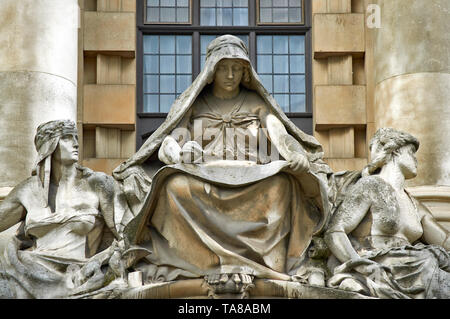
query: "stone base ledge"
264, 288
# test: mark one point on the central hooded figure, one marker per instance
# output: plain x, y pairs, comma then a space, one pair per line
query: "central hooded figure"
207, 204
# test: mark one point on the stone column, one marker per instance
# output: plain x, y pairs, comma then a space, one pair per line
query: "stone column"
38, 79
412, 74
412, 90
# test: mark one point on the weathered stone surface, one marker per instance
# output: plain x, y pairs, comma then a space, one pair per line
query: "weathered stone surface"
411, 64
338, 34
350, 110
109, 104
110, 31
389, 245
38, 76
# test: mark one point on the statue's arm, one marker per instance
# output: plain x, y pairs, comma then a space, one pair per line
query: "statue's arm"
287, 146
11, 210
112, 203
433, 233
350, 214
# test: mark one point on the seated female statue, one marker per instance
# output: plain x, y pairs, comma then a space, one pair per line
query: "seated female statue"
217, 206
63, 208
379, 230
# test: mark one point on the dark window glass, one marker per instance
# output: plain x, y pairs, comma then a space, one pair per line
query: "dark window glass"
280, 11
281, 66
167, 11
167, 63
224, 13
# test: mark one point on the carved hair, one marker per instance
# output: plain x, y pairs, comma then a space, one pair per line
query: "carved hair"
388, 141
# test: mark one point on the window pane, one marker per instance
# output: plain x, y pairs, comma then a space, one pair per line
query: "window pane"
297, 64
297, 83
295, 15
280, 11
282, 70
240, 3
298, 103
151, 44
267, 81
264, 64
264, 44
183, 82
224, 16
184, 64
281, 44
208, 16
280, 15
207, 3
225, 3
151, 64
167, 63
168, 11
266, 15
296, 44
224, 12
280, 3
167, 14
167, 3
240, 16
283, 101
167, 84
166, 102
171, 73
167, 43
184, 44
281, 64
182, 15
153, 14
151, 103
151, 83
281, 83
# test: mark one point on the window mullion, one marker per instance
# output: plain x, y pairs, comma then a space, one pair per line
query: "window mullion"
196, 55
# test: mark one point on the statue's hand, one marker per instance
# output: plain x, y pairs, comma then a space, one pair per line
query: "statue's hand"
191, 152
298, 162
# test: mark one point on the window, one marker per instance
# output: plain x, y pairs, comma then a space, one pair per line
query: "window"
280, 11
167, 70
224, 12
173, 36
281, 66
167, 11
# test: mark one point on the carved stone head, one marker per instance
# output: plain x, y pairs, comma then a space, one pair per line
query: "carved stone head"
385, 144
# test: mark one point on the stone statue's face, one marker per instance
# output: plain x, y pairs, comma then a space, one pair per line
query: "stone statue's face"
67, 150
228, 74
407, 161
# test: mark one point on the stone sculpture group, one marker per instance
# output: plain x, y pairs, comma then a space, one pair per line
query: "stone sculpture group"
228, 196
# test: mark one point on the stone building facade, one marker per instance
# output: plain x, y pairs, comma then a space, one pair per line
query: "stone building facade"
369, 64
